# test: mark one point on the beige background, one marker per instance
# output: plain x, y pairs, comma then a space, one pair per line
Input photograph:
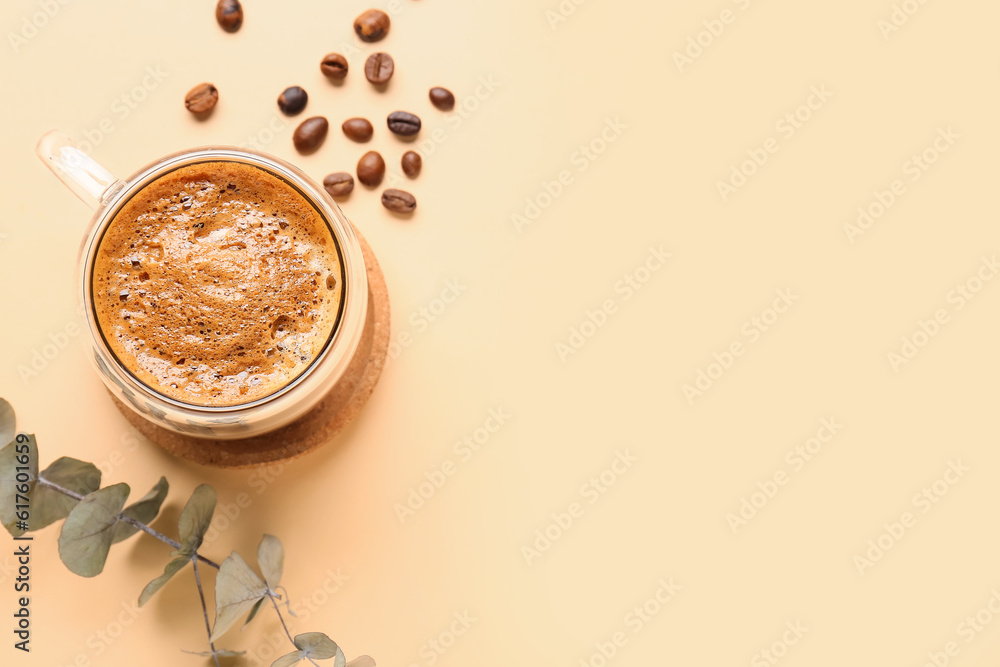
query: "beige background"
556, 87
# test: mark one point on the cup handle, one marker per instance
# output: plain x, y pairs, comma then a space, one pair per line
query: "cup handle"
79, 172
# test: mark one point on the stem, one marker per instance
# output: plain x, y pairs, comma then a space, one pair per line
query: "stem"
127, 519
55, 487
281, 618
204, 610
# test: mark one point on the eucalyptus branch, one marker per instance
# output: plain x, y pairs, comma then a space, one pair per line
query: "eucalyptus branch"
98, 518
277, 610
204, 609
280, 617
55, 487
127, 519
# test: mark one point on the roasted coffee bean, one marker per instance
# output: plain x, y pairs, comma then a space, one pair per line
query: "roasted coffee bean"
293, 100
399, 201
309, 135
229, 14
358, 129
371, 169
371, 25
379, 68
442, 98
339, 184
403, 123
333, 66
412, 163
201, 98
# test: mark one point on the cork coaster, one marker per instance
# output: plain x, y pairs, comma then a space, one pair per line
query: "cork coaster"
318, 426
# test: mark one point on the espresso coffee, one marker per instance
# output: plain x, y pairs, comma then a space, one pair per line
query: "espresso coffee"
217, 284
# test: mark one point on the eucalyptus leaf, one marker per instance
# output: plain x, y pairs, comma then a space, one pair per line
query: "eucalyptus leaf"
271, 559
313, 645
17, 454
8, 422
293, 658
143, 510
237, 589
362, 661
220, 652
172, 568
253, 612
317, 645
48, 506
87, 533
197, 516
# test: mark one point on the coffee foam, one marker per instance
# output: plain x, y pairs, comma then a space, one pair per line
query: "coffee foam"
217, 284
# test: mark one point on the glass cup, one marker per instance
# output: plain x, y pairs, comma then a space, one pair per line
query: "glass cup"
106, 195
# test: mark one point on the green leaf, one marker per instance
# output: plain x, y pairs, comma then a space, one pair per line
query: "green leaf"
293, 658
362, 661
87, 533
253, 612
317, 645
48, 506
143, 510
237, 589
8, 422
221, 652
172, 568
271, 559
197, 516
22, 454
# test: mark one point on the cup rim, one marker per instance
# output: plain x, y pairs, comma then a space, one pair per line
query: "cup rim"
345, 335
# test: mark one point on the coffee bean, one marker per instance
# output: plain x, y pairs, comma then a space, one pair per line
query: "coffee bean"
229, 14
371, 25
403, 123
358, 129
339, 184
399, 201
371, 169
442, 98
412, 163
292, 101
201, 98
334, 66
379, 68
310, 134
